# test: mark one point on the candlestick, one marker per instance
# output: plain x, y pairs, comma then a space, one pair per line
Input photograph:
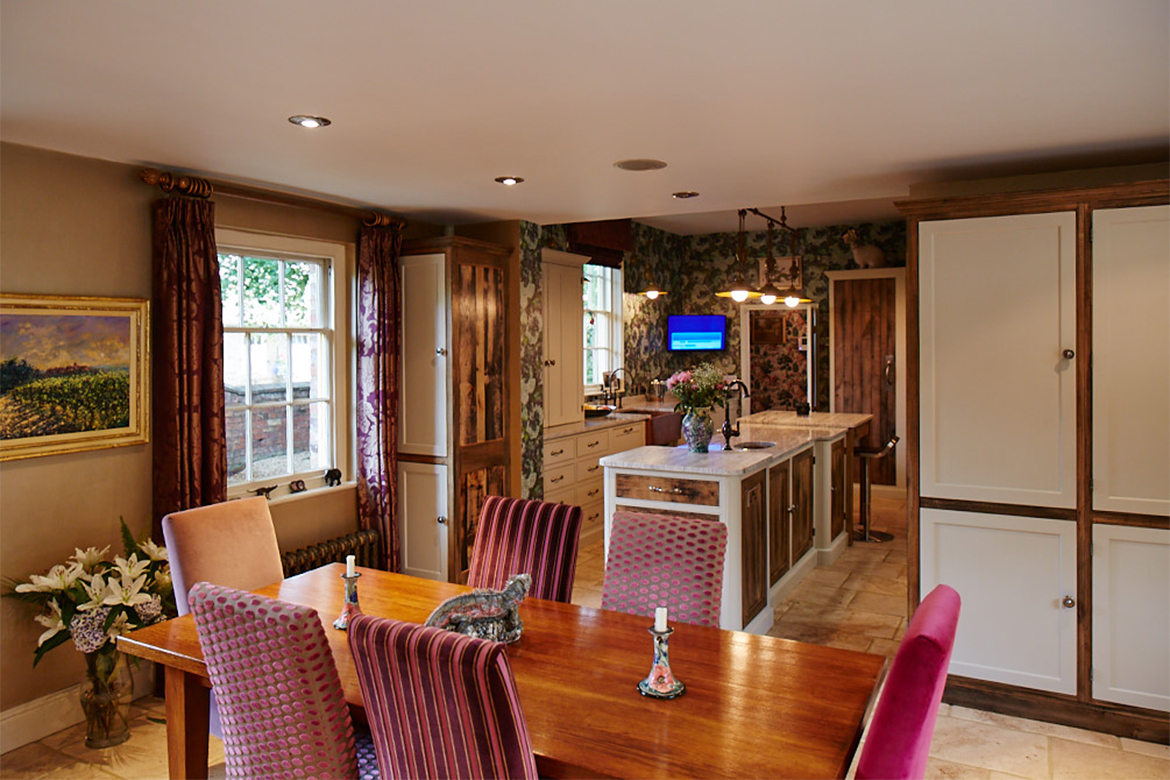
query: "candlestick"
350, 608
349, 562
660, 619
661, 682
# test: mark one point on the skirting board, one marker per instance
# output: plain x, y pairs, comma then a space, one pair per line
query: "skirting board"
792, 578
37, 719
829, 555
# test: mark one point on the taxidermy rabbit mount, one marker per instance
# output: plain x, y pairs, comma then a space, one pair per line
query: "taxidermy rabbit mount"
865, 255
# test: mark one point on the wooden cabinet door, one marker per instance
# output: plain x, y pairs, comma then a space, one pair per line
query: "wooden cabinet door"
422, 406
837, 502
424, 523
997, 310
779, 499
753, 511
1131, 360
1014, 575
802, 498
1131, 616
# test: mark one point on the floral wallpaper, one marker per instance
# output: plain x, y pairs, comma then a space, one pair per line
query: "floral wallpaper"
778, 367
531, 360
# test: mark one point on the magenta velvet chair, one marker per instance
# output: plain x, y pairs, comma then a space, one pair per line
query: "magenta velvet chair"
440, 704
281, 705
898, 740
519, 536
665, 561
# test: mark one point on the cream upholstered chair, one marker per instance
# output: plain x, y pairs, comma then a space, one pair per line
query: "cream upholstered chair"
232, 544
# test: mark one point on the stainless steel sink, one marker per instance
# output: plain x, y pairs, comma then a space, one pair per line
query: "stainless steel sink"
754, 445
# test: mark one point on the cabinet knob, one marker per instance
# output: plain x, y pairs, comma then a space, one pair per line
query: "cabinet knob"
1068, 354
441, 351
554, 453
442, 520
791, 508
1068, 602
550, 362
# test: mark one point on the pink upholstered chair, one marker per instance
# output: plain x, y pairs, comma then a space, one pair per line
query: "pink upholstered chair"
519, 536
665, 561
440, 704
898, 739
281, 703
232, 543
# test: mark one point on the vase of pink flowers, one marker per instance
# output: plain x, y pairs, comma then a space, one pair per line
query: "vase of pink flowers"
92, 601
698, 391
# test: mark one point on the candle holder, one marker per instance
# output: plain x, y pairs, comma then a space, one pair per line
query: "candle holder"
350, 608
661, 683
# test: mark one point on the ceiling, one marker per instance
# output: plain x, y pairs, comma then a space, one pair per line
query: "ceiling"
833, 108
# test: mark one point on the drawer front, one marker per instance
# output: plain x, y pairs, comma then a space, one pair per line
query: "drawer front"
593, 445
559, 451
559, 478
588, 470
702, 492
561, 496
627, 437
590, 492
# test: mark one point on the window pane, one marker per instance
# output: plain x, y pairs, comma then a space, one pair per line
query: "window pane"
229, 283
311, 437
303, 287
269, 367
592, 375
309, 351
236, 423
269, 442
235, 368
590, 333
262, 303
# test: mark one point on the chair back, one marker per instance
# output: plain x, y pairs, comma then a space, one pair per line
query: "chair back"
232, 543
898, 740
520, 536
281, 704
440, 704
665, 561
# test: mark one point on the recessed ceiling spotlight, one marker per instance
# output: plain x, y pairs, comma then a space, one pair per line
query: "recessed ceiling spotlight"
684, 194
509, 181
640, 164
309, 121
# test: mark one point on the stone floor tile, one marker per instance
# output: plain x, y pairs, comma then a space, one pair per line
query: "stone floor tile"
1081, 761
937, 769
820, 635
37, 760
886, 647
138, 757
826, 577
1155, 749
815, 594
843, 619
1037, 727
991, 747
880, 585
879, 602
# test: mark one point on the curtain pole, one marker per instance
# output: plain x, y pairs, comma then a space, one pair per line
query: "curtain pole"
197, 187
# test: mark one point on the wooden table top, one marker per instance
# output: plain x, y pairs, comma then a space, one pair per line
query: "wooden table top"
755, 706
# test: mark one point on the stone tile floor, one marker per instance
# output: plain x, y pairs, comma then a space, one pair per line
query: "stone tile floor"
858, 603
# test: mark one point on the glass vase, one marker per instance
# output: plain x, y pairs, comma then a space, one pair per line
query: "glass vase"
106, 694
698, 428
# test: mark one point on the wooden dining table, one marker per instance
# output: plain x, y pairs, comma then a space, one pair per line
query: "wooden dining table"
754, 706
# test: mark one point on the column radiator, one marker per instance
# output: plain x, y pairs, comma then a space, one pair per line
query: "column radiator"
365, 545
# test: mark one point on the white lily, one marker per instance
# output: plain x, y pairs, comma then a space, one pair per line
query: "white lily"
90, 557
126, 591
119, 626
95, 589
131, 568
154, 551
60, 577
50, 620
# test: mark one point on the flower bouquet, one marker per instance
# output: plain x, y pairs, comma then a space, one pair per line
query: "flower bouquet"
92, 601
697, 391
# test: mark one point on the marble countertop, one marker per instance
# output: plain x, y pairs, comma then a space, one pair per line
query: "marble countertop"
717, 462
814, 420
611, 420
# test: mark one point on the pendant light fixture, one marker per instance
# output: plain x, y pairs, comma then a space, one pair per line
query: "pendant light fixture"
652, 291
791, 296
769, 293
739, 290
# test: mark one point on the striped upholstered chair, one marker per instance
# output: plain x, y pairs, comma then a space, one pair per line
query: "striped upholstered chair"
665, 561
281, 705
440, 704
519, 536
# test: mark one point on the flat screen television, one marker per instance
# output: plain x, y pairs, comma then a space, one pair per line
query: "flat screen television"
688, 332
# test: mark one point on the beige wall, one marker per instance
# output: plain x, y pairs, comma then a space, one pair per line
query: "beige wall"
79, 226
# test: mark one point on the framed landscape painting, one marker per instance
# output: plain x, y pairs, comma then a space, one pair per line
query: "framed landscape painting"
73, 374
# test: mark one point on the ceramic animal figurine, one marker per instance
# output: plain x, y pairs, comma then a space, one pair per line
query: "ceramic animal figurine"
265, 491
865, 255
485, 613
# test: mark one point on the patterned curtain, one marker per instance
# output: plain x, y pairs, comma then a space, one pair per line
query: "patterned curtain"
377, 385
190, 453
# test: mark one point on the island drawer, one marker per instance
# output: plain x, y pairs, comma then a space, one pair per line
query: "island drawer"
702, 492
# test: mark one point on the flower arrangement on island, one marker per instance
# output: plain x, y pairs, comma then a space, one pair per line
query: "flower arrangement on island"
92, 601
700, 388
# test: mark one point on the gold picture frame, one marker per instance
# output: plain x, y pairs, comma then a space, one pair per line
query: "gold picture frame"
74, 374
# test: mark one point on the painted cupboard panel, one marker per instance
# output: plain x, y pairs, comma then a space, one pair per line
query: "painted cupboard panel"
422, 501
1013, 575
998, 309
422, 407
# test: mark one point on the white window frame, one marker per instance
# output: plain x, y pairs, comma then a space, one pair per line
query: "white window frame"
615, 347
335, 255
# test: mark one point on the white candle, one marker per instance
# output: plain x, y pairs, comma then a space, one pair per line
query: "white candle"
660, 619
349, 561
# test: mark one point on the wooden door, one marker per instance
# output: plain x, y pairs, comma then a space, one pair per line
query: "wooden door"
802, 500
753, 512
865, 361
779, 499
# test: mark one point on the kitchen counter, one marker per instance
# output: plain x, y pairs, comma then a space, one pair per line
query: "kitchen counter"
611, 420
790, 419
717, 462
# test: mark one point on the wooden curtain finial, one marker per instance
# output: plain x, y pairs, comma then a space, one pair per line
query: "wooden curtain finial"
185, 185
381, 220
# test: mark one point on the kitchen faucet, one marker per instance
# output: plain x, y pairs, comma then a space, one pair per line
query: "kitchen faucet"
728, 431
609, 390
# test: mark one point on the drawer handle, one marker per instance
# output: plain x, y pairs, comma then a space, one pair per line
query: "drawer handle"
593, 492
628, 430
554, 453
593, 444
656, 489
592, 469
555, 480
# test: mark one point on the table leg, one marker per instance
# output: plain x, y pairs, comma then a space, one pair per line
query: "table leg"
187, 712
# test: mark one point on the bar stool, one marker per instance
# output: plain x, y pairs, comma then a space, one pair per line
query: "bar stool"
864, 534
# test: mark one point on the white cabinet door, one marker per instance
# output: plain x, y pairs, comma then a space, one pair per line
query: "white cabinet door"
1131, 616
997, 310
422, 511
422, 408
564, 315
1131, 360
1012, 574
